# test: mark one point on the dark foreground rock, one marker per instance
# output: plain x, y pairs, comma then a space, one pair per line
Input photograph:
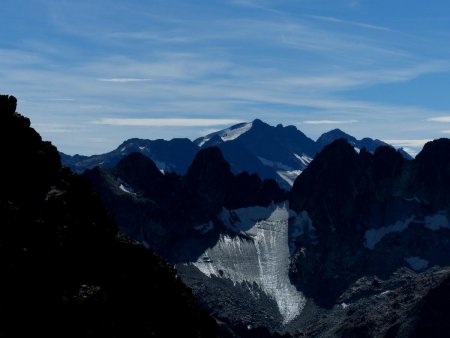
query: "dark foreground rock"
65, 271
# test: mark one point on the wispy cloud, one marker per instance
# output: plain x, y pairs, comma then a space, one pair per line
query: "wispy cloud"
170, 37
329, 121
347, 22
123, 80
197, 64
173, 122
53, 128
408, 143
442, 119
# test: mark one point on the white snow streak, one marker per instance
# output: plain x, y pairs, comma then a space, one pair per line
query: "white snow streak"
276, 165
231, 134
124, 189
306, 160
289, 176
228, 134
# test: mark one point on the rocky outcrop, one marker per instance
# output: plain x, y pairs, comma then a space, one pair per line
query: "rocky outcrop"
170, 218
65, 270
405, 305
372, 213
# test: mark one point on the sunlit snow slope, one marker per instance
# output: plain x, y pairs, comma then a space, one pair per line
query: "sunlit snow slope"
259, 254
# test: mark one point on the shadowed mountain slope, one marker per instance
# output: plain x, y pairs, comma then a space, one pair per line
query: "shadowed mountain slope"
65, 270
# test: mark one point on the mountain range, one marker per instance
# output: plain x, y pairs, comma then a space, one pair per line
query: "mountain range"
359, 233
359, 247
280, 153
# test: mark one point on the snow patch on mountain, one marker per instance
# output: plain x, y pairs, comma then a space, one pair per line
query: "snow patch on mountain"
433, 222
125, 187
204, 228
259, 254
228, 134
417, 263
233, 133
305, 160
276, 165
161, 165
437, 221
289, 176
373, 236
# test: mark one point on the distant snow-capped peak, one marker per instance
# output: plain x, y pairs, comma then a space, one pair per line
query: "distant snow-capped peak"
228, 134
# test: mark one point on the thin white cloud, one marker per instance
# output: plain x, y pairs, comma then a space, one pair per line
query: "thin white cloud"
175, 37
123, 80
443, 119
415, 143
329, 121
174, 122
62, 100
445, 131
347, 22
52, 128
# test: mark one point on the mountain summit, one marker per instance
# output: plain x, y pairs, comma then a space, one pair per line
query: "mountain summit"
276, 152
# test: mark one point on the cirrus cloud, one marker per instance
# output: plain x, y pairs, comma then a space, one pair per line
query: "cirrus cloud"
444, 119
329, 121
415, 143
171, 122
124, 80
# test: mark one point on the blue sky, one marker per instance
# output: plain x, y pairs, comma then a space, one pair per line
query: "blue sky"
91, 74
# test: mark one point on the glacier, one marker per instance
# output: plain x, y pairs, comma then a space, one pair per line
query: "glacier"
258, 253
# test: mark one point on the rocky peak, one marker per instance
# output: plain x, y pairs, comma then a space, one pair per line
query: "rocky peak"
35, 161
8, 104
332, 135
432, 173
209, 165
206, 183
387, 163
140, 172
257, 123
329, 183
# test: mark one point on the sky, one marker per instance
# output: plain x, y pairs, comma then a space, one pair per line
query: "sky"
92, 73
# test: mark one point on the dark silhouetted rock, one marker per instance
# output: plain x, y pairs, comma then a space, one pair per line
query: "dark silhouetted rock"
65, 270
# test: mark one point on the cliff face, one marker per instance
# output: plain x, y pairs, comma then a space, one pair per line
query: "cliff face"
177, 215
358, 227
372, 213
65, 270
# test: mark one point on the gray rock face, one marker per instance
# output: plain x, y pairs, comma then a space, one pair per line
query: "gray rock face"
373, 214
372, 307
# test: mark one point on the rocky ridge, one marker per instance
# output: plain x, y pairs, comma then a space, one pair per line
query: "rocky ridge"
65, 269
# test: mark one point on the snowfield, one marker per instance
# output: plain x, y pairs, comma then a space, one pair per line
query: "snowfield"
260, 254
